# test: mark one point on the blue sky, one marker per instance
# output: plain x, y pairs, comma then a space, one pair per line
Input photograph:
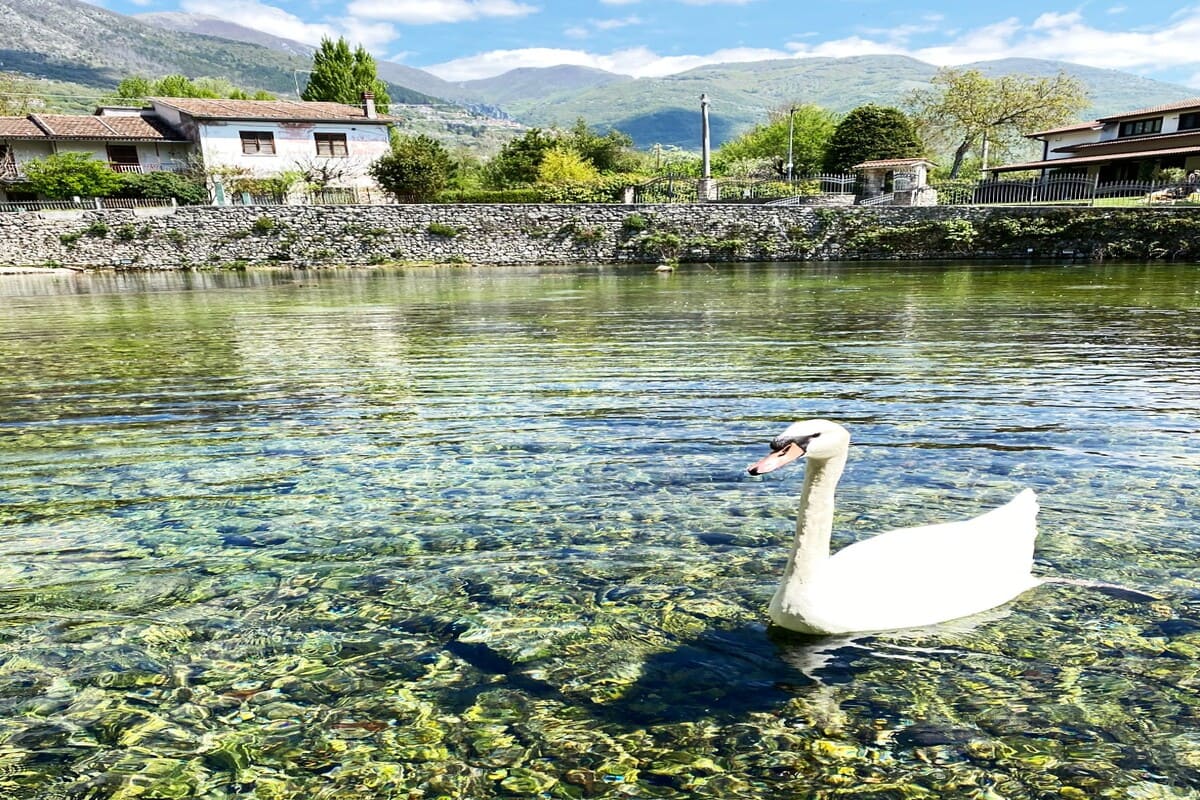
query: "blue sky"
464, 39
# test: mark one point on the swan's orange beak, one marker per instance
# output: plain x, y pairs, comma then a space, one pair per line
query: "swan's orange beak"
777, 459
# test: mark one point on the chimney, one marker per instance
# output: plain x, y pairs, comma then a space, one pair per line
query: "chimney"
368, 99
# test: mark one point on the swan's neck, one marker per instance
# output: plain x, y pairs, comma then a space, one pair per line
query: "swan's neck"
814, 522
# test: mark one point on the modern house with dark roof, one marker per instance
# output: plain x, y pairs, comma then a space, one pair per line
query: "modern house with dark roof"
252, 138
1122, 147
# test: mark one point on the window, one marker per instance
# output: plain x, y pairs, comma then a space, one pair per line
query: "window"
332, 145
257, 143
1141, 127
1189, 122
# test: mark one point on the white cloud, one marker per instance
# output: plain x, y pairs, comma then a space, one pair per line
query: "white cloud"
620, 2
613, 24
427, 12
1067, 37
262, 17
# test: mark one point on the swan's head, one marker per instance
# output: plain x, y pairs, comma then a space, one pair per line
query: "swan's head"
816, 439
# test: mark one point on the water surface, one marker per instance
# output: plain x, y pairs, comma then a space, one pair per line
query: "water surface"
488, 533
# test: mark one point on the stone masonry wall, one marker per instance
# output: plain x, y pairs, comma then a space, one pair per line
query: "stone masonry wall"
212, 237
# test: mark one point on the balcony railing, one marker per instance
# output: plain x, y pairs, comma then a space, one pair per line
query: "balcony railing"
11, 170
162, 166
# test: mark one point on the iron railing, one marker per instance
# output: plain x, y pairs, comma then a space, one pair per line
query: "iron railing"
90, 204
680, 189
1065, 190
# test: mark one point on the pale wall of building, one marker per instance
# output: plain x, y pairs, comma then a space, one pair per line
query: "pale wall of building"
295, 146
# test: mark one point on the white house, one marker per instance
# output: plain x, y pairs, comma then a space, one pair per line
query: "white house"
1122, 147
255, 138
267, 137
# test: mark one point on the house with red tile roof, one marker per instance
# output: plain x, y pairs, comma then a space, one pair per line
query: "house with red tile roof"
251, 138
1122, 147
263, 138
128, 143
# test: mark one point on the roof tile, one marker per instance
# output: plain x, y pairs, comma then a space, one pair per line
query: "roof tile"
19, 128
276, 110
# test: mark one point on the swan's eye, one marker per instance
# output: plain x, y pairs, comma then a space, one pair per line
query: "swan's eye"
815, 435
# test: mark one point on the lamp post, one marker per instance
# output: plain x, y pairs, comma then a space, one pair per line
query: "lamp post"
791, 136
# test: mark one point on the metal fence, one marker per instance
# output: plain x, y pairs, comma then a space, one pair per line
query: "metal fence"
89, 204
667, 189
681, 189
1065, 190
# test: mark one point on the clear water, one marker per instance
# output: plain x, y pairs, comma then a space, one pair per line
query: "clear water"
488, 533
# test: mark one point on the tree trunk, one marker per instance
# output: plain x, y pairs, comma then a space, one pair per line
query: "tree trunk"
960, 154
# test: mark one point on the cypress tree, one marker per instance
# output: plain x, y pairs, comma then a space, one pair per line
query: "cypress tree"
366, 80
332, 77
870, 133
341, 76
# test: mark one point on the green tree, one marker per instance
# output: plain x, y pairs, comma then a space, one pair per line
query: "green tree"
562, 165
136, 87
962, 107
65, 175
519, 160
608, 152
416, 169
870, 133
812, 127
15, 95
341, 76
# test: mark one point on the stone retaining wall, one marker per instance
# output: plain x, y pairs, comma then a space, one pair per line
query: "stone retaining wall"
203, 237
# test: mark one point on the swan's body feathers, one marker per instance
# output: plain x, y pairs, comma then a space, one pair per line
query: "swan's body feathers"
912, 577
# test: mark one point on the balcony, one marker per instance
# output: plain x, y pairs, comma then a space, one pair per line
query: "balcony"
162, 166
11, 170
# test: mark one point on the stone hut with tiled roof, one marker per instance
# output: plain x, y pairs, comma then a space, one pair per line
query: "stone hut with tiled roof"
906, 179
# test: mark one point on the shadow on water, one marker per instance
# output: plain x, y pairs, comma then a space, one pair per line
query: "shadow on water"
721, 674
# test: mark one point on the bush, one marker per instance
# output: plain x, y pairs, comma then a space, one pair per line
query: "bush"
263, 225
416, 169
185, 190
440, 229
635, 223
65, 175
531, 194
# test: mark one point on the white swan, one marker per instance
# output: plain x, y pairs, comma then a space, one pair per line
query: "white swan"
904, 578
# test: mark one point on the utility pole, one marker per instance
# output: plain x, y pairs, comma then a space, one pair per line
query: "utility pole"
791, 134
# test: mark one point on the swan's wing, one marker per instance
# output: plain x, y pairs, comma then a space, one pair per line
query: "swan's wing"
994, 546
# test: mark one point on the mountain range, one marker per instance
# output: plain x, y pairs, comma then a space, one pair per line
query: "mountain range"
93, 48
